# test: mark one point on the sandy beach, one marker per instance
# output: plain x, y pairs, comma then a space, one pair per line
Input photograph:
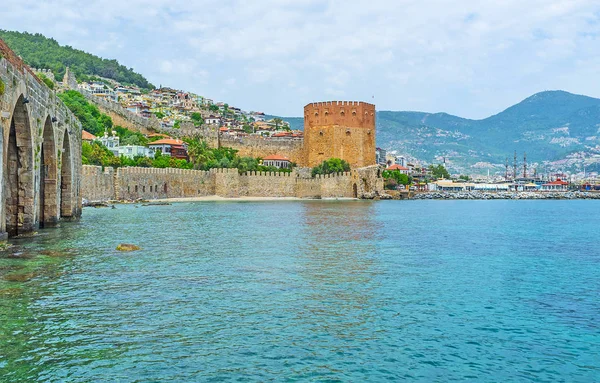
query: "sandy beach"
214, 198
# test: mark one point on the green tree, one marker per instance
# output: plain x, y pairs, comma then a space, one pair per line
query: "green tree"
439, 171
332, 165
399, 178
45, 53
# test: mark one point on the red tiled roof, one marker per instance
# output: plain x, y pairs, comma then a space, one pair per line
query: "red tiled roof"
557, 182
87, 136
166, 141
276, 157
396, 167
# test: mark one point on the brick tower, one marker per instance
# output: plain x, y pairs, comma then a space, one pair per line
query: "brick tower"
341, 129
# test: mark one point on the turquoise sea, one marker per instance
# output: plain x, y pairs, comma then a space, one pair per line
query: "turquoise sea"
311, 291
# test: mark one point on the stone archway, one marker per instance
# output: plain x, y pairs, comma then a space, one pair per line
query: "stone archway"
18, 170
355, 190
66, 178
48, 204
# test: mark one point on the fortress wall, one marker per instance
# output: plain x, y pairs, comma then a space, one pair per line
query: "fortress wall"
151, 183
337, 186
262, 147
97, 184
268, 184
226, 182
308, 188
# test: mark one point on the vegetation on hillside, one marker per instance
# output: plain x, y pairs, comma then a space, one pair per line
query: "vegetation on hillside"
96, 122
39, 51
204, 157
330, 166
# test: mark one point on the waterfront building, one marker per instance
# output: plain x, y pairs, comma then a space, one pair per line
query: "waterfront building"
558, 185
380, 156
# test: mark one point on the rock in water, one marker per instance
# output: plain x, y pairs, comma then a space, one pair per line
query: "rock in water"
127, 247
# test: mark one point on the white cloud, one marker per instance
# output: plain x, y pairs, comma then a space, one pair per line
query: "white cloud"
471, 58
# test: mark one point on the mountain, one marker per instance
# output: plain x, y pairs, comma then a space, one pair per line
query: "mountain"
555, 128
44, 53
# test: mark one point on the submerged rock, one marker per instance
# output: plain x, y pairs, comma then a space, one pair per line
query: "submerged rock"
127, 247
19, 277
55, 253
156, 204
12, 291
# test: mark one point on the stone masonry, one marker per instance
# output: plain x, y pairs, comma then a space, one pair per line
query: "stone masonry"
40, 147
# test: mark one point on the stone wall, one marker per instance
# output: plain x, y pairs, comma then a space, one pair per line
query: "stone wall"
97, 184
260, 147
150, 183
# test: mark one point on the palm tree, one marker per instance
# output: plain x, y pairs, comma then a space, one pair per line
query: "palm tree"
277, 121
199, 151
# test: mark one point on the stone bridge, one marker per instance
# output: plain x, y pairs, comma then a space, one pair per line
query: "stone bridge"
40, 148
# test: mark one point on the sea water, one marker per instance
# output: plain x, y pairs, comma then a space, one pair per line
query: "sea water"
353, 291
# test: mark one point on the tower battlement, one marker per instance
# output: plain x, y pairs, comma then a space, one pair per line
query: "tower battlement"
356, 114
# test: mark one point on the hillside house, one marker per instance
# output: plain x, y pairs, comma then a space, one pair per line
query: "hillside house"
170, 147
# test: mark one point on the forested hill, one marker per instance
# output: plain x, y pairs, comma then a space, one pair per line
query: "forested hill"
41, 52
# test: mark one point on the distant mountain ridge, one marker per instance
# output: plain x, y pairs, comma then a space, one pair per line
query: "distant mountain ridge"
556, 127
558, 130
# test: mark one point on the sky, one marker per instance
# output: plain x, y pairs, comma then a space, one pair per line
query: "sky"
467, 58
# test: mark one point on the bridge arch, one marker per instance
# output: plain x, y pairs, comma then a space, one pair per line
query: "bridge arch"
48, 172
18, 171
67, 203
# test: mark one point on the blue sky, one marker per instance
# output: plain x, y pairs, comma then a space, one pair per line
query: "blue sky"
469, 58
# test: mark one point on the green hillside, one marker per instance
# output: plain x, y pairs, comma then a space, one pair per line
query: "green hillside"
41, 52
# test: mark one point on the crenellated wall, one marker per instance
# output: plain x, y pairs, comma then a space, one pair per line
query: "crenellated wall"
150, 183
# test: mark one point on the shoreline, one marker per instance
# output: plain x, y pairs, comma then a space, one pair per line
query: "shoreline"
214, 198
479, 195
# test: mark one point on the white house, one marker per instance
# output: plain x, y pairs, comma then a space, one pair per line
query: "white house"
131, 151
277, 161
